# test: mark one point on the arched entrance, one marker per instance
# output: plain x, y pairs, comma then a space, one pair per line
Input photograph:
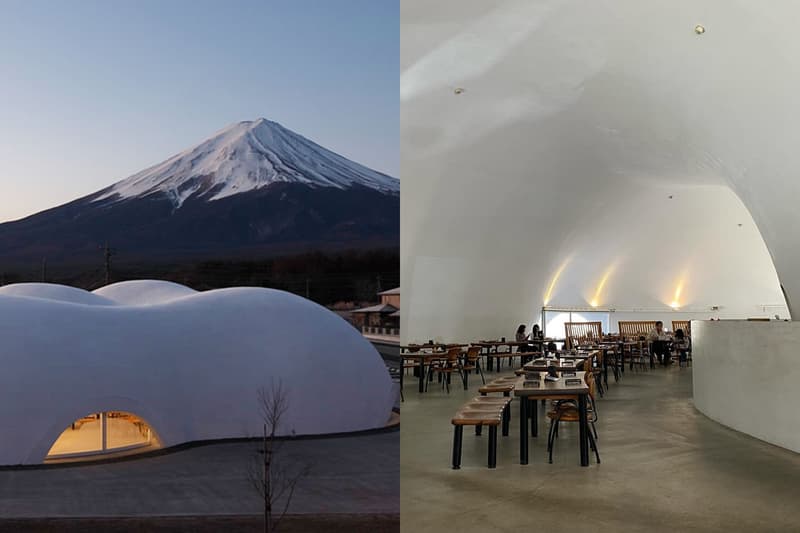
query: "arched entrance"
103, 433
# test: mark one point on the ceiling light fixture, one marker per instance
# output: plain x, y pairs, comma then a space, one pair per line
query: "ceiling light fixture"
699, 29
458, 90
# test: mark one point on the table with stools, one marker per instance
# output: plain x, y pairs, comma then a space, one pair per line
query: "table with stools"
563, 389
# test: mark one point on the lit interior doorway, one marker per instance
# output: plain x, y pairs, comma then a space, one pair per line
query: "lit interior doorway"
554, 320
107, 432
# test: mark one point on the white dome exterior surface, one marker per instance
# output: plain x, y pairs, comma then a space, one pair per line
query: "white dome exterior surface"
144, 292
189, 365
51, 291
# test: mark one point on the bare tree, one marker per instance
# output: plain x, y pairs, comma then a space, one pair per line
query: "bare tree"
271, 478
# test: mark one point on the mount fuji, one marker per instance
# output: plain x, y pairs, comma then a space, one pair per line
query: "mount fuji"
254, 187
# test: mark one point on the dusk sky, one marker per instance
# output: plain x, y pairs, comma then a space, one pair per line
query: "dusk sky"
94, 91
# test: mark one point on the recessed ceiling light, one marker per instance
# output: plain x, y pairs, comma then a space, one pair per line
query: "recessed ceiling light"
458, 90
699, 29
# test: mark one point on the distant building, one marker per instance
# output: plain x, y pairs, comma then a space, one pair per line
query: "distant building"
391, 297
382, 318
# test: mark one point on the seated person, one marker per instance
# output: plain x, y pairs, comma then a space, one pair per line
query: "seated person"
659, 344
683, 344
522, 337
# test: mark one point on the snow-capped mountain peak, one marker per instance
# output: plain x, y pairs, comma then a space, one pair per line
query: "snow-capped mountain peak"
243, 157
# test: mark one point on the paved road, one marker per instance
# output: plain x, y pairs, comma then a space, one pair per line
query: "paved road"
355, 474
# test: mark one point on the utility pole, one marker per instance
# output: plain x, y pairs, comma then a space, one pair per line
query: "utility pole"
108, 252
44, 269
308, 292
379, 283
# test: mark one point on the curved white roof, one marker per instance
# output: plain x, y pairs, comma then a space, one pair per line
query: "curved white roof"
599, 151
144, 292
190, 366
51, 291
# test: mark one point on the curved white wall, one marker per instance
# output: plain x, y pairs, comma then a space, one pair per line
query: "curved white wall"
577, 121
745, 375
189, 363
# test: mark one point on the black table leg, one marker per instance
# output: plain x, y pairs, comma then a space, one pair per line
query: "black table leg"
492, 459
523, 430
584, 430
458, 432
534, 418
421, 370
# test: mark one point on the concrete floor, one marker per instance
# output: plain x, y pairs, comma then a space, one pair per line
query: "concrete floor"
353, 474
665, 467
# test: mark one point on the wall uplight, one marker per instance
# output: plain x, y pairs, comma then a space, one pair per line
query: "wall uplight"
549, 294
596, 300
676, 298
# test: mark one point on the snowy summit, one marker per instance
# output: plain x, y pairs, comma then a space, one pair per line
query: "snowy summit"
243, 157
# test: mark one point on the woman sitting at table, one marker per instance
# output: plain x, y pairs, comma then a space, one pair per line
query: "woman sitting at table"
683, 344
522, 337
538, 337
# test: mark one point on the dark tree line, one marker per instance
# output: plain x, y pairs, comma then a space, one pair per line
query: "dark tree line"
325, 277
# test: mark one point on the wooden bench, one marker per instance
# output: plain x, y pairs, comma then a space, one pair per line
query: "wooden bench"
636, 328
509, 355
499, 356
479, 412
577, 332
504, 385
680, 324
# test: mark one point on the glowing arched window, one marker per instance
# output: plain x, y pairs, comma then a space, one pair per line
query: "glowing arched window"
101, 433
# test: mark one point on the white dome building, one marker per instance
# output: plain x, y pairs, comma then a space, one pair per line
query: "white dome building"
156, 364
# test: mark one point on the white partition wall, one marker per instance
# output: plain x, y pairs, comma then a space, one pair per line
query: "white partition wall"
745, 376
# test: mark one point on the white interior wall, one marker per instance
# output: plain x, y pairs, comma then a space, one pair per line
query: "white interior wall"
577, 121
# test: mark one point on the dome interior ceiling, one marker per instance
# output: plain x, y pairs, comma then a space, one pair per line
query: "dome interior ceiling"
576, 123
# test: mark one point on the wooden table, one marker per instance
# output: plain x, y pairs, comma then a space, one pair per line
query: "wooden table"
621, 344
619, 365
421, 357
488, 345
554, 390
568, 364
435, 352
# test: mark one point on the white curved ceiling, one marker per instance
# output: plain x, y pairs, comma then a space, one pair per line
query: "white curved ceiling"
576, 123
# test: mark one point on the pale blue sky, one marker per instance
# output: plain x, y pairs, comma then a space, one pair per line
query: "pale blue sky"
93, 91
